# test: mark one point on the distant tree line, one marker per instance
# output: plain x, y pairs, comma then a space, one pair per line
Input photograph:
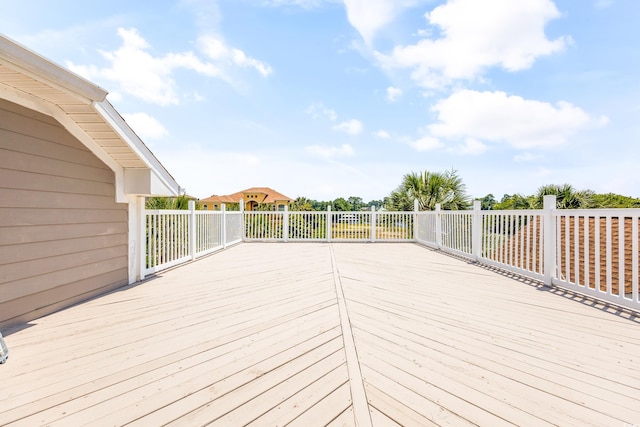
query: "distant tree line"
351, 204
444, 188
567, 197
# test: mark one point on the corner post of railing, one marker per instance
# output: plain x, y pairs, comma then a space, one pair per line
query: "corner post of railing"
438, 226
373, 223
328, 223
415, 219
143, 237
242, 220
549, 238
223, 208
476, 231
192, 229
285, 223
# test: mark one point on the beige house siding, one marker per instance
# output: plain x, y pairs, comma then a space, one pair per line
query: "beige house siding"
63, 238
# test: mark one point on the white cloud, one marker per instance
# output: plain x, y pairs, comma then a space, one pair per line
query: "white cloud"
470, 147
526, 157
497, 117
370, 16
327, 152
426, 143
476, 35
150, 78
393, 93
382, 134
217, 50
306, 4
145, 126
351, 127
318, 110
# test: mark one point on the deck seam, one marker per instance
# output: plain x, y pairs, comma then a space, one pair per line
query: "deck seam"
361, 413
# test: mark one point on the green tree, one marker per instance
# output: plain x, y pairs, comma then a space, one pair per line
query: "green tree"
430, 188
567, 197
488, 202
340, 204
377, 203
319, 206
301, 204
611, 201
356, 203
171, 203
516, 201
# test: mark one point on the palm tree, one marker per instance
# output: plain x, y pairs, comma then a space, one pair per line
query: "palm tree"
430, 188
301, 204
567, 197
174, 203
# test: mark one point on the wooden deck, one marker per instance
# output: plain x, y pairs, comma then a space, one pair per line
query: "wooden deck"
326, 334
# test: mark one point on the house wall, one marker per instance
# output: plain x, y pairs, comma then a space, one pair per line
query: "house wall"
63, 239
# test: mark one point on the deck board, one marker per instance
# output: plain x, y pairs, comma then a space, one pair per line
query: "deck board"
269, 334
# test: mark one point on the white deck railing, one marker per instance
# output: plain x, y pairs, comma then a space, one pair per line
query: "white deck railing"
177, 236
366, 226
593, 252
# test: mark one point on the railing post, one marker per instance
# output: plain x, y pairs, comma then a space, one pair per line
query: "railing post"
328, 223
285, 223
415, 220
438, 227
242, 220
192, 229
373, 223
549, 239
476, 231
144, 240
223, 208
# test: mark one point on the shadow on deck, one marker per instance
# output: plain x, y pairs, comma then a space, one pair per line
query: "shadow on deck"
326, 334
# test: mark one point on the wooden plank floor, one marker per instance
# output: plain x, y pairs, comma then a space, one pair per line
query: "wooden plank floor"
326, 334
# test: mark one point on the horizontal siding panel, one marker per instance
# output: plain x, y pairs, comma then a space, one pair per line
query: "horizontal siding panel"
24, 309
33, 251
46, 265
20, 120
63, 237
35, 181
21, 288
71, 153
11, 108
22, 217
47, 233
48, 200
21, 161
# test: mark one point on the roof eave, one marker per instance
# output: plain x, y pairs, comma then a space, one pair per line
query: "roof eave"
35, 65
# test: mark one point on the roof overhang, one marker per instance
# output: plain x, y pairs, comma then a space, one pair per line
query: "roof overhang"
80, 106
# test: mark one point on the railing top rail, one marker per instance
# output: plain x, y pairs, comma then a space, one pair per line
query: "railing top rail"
167, 211
599, 212
513, 212
204, 212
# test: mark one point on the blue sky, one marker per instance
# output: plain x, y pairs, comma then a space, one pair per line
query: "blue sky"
339, 98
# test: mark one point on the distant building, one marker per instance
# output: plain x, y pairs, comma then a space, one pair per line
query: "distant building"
252, 197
